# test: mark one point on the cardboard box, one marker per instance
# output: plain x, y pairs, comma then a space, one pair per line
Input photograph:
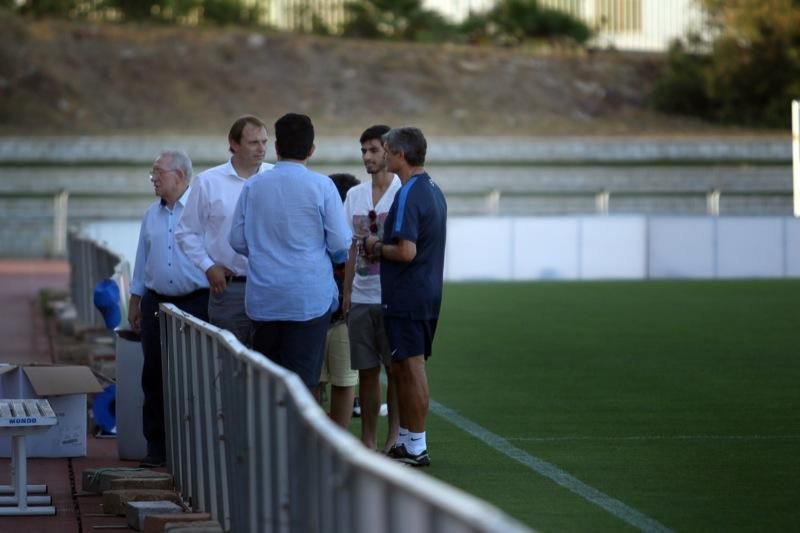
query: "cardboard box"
66, 388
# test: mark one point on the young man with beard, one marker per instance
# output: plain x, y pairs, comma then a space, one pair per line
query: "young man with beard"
366, 208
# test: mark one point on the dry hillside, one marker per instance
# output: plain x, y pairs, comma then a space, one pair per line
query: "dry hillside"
77, 78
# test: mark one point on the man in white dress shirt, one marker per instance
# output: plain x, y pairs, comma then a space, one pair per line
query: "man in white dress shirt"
206, 222
162, 273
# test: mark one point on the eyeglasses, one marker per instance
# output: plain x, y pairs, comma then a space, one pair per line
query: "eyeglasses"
156, 172
373, 222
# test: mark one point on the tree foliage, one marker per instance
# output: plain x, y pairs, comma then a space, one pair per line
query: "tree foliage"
228, 12
751, 71
682, 87
48, 8
515, 21
219, 12
405, 20
508, 22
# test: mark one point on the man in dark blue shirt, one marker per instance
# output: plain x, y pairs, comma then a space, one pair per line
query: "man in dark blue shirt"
412, 269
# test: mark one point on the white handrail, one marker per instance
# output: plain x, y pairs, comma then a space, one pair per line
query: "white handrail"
248, 443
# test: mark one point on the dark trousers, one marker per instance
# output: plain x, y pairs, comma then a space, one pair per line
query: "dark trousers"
195, 303
296, 346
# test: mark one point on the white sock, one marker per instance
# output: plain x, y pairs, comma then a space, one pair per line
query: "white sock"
402, 436
416, 443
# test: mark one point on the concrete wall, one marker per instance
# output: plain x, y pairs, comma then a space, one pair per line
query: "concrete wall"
621, 247
592, 247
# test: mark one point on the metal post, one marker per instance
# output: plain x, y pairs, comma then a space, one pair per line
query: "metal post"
20, 472
712, 202
601, 202
796, 154
493, 202
60, 215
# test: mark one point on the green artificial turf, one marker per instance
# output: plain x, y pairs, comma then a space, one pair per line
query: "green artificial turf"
678, 398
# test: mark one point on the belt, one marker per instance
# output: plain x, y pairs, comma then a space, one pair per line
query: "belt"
171, 298
237, 279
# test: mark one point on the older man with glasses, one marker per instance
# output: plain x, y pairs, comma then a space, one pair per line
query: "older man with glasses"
162, 273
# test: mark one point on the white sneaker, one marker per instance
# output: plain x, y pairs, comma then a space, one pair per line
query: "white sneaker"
384, 410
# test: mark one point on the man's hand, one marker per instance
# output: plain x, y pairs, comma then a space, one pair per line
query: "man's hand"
402, 251
135, 313
217, 279
345, 303
369, 247
349, 274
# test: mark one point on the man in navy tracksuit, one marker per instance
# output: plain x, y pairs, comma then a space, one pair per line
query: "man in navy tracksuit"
412, 269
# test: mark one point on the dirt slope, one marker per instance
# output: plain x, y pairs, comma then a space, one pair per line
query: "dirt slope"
70, 78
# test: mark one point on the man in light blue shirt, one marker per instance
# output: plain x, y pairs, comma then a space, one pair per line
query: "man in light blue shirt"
289, 223
162, 273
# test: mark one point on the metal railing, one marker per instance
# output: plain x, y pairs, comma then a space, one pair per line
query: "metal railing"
90, 263
249, 445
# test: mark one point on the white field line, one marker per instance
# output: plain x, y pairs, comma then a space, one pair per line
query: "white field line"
548, 470
657, 437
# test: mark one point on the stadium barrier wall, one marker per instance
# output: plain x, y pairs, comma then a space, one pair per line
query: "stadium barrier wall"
503, 248
621, 247
248, 444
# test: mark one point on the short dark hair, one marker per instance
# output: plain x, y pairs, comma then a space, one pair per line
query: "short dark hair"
344, 182
235, 134
408, 140
294, 136
373, 132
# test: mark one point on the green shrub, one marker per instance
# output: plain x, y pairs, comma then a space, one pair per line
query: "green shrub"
747, 75
403, 20
753, 83
45, 8
475, 28
682, 87
229, 12
519, 20
138, 10
364, 20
